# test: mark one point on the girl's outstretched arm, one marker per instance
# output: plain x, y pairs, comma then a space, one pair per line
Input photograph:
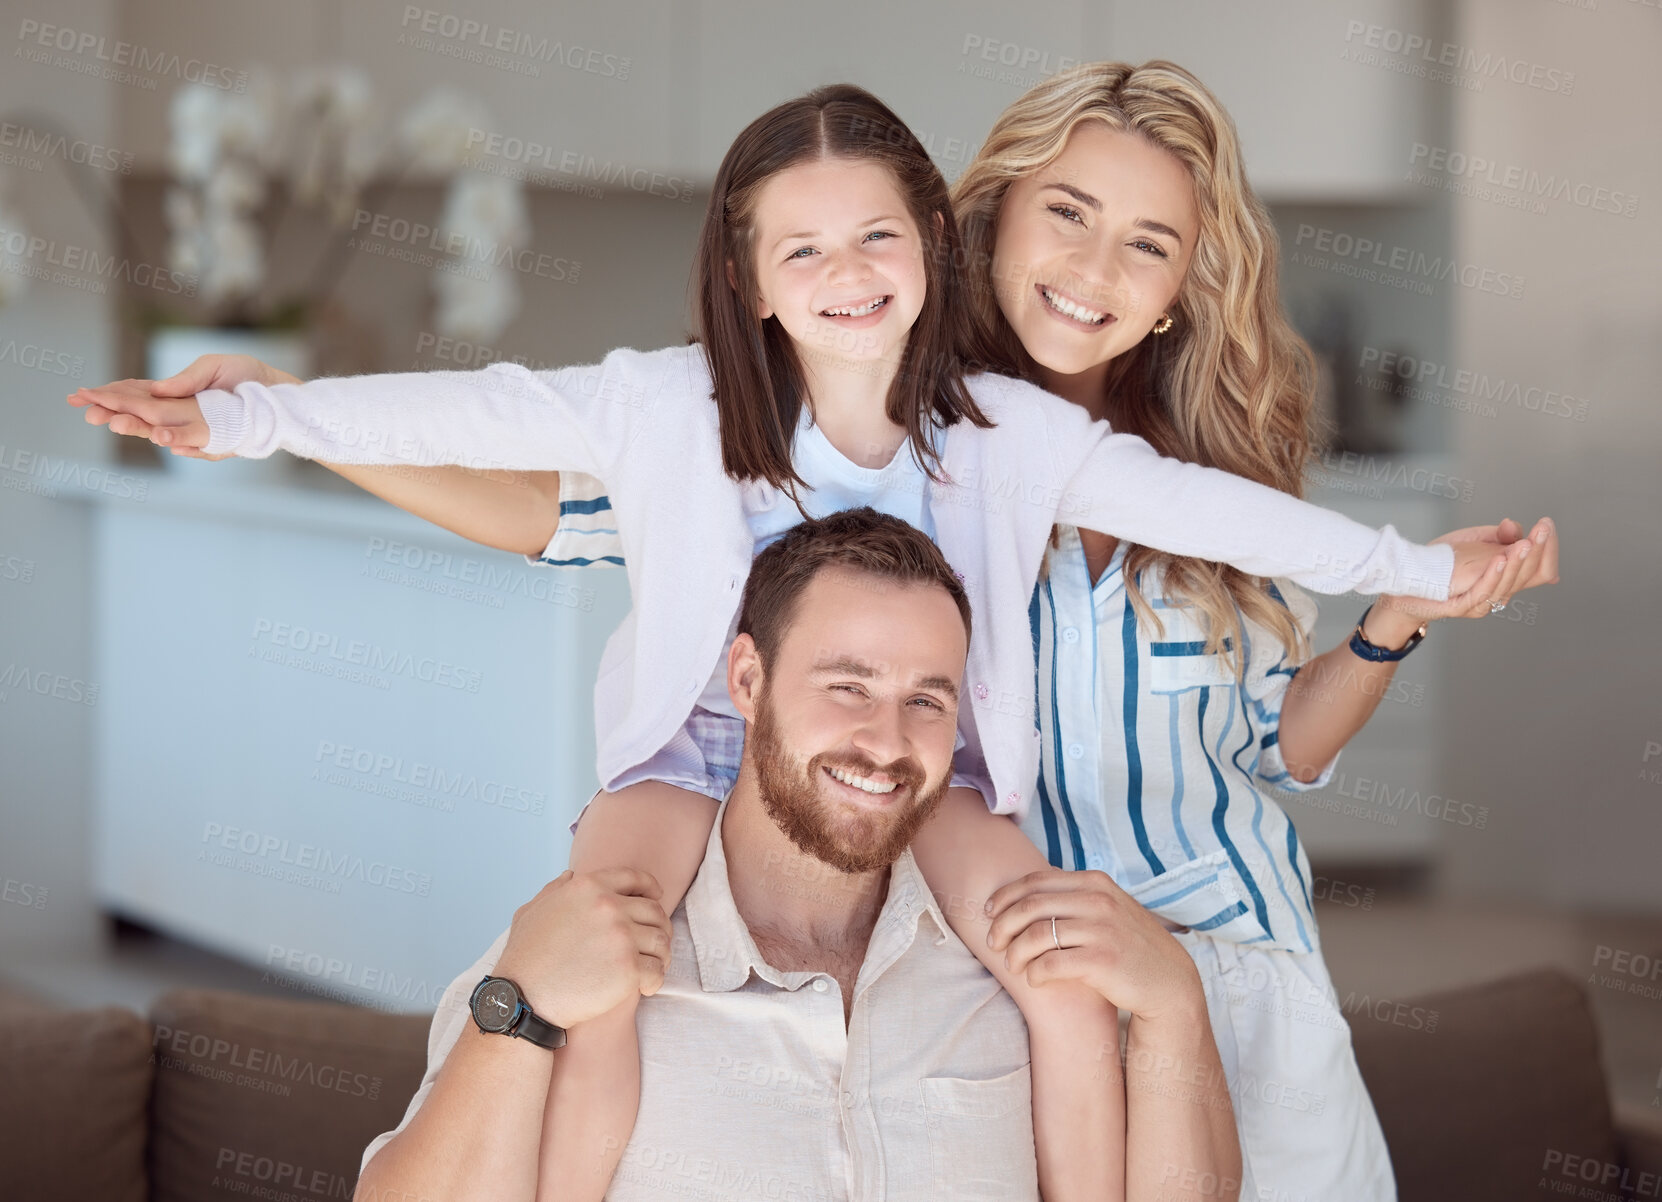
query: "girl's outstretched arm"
966, 853
503, 417
595, 1090
510, 511
1120, 485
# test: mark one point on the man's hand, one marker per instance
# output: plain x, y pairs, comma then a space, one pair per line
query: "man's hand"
165, 411
587, 942
1109, 942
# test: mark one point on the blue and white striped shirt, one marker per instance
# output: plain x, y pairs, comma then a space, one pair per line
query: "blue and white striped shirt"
587, 532
1153, 756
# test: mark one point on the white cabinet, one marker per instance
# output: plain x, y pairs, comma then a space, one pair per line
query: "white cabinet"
1388, 802
946, 69
1326, 109
334, 741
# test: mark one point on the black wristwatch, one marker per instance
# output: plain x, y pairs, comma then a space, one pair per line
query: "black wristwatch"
500, 1009
1360, 646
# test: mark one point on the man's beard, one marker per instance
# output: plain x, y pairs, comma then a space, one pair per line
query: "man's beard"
850, 842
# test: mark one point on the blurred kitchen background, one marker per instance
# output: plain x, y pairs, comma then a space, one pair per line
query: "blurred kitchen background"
200, 782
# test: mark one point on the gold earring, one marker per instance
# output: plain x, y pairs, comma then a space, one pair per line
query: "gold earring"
1163, 324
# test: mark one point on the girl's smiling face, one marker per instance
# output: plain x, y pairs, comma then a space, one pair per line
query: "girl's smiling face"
1091, 249
839, 260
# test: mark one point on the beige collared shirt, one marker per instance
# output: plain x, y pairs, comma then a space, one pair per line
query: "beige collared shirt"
751, 1086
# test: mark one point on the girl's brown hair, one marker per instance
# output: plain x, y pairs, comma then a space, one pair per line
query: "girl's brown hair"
759, 382
1231, 385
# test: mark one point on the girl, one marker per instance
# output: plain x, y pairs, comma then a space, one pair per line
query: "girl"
1176, 699
828, 375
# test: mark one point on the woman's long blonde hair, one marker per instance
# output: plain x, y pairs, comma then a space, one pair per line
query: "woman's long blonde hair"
1231, 384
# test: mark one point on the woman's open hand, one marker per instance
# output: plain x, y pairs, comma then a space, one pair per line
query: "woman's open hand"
1500, 562
1109, 942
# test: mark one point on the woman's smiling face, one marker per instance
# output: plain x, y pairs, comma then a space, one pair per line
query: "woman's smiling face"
1092, 248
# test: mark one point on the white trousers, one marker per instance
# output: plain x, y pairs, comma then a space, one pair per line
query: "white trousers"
1308, 1129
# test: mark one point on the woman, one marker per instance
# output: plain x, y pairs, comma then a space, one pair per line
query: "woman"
1132, 272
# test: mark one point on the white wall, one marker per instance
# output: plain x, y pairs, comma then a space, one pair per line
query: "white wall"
1553, 720
45, 545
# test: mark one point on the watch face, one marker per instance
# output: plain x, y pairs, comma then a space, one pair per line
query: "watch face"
496, 1005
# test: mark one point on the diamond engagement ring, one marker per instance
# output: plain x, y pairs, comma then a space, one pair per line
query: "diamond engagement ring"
1053, 937
1496, 606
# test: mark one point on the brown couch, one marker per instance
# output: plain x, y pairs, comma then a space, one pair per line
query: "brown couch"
1490, 1092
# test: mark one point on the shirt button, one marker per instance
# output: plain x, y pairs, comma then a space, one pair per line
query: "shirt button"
692, 686
1070, 634
981, 690
1012, 799
819, 985
1075, 751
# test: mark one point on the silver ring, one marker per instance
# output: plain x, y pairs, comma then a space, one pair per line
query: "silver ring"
1053, 937
1496, 607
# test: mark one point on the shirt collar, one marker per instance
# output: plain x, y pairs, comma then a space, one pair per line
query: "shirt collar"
727, 954
1066, 561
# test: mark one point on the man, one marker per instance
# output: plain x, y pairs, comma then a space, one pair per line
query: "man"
819, 1031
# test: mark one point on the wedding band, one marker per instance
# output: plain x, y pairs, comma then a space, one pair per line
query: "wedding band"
1053, 937
1496, 607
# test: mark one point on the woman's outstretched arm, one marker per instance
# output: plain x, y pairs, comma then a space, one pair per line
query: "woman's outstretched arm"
1332, 697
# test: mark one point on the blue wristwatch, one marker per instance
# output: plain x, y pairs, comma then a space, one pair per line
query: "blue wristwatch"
1363, 649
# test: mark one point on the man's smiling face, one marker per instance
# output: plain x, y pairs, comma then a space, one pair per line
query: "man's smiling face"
856, 719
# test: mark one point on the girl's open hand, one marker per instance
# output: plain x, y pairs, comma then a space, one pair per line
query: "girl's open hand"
1109, 942
129, 407
118, 405
1491, 565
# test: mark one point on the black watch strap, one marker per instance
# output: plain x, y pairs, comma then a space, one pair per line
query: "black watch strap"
522, 1023
540, 1032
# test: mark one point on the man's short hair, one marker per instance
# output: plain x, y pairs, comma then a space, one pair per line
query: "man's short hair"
862, 539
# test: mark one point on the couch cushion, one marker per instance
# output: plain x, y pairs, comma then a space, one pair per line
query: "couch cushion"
1493, 1091
73, 1090
260, 1092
